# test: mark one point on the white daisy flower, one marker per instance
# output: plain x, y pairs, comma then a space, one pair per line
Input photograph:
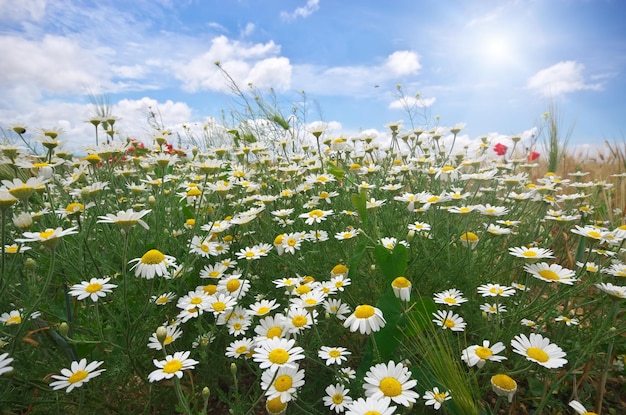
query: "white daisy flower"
277, 352
370, 406
365, 319
551, 273
152, 263
333, 355
538, 349
436, 398
5, 361
173, 365
451, 297
96, 288
282, 383
337, 397
449, 320
391, 381
479, 355
78, 374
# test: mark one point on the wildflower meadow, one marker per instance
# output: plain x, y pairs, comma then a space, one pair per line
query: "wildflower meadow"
272, 268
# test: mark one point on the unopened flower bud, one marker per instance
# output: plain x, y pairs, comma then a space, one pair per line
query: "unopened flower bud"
64, 329
151, 200
30, 265
233, 368
206, 392
161, 334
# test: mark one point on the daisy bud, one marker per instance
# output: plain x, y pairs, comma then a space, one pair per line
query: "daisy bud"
233, 369
64, 329
206, 392
152, 200
30, 265
161, 334
23, 221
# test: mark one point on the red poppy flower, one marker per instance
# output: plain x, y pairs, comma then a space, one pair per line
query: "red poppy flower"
500, 149
533, 156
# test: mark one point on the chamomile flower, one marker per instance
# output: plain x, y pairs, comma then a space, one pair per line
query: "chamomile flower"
337, 308
173, 365
551, 273
300, 319
448, 320
451, 297
333, 355
163, 298
282, 383
436, 398
78, 374
614, 291
126, 219
221, 303
401, 288
261, 308
213, 271
234, 286
48, 238
391, 381
567, 320
493, 308
271, 327
172, 333
11, 318
5, 361
370, 406
337, 398
479, 355
238, 348
152, 263
365, 319
277, 352
347, 234
531, 253
495, 290
538, 349
590, 232
504, 385
95, 288
315, 216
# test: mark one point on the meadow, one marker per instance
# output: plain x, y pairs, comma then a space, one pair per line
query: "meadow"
267, 271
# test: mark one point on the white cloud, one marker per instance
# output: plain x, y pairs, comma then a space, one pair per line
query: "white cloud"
23, 9
308, 9
357, 80
134, 114
561, 78
246, 63
403, 62
410, 102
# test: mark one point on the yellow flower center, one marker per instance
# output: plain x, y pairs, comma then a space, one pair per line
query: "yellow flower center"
283, 383
537, 354
46, 234
78, 376
372, 413
74, 208
440, 396
205, 248
194, 192
504, 382
337, 398
303, 289
316, 213
233, 285
292, 242
299, 321
549, 275
449, 300
401, 282
152, 257
390, 387
594, 234
469, 237
274, 332
364, 311
496, 290
172, 366
11, 249
262, 311
168, 340
219, 306
94, 287
210, 289
13, 320
449, 323
529, 254
334, 353
196, 300
241, 349
484, 352
275, 406
278, 356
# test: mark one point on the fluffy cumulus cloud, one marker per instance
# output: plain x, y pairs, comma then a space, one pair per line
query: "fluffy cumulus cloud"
561, 78
24, 9
258, 63
135, 112
308, 9
403, 62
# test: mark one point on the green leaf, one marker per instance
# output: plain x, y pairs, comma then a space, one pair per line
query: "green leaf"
359, 201
236, 136
336, 171
187, 212
392, 263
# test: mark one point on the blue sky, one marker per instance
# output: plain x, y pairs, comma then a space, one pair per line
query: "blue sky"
493, 65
